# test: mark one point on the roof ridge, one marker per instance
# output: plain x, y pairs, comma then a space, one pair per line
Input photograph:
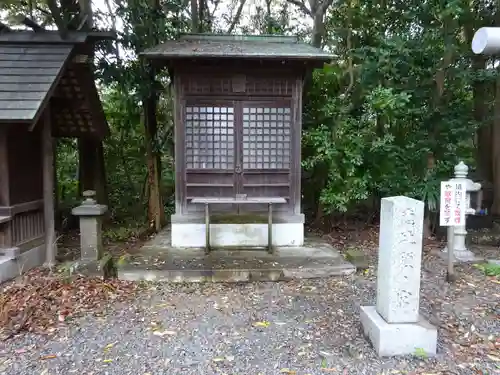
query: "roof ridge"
265, 38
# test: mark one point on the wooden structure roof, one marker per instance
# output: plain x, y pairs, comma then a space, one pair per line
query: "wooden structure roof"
263, 47
41, 68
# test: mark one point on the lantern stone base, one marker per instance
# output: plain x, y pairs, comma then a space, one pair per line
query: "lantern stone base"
392, 339
465, 256
192, 235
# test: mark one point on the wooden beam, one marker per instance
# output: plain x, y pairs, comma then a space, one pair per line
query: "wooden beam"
48, 189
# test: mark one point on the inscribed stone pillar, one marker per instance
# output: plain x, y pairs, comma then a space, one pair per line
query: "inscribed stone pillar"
394, 325
90, 214
400, 252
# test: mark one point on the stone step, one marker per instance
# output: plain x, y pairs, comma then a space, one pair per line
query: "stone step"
232, 275
10, 252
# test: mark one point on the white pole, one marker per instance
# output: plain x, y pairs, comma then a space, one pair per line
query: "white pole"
450, 274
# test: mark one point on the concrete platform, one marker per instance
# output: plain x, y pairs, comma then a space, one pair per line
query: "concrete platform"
393, 339
158, 261
11, 268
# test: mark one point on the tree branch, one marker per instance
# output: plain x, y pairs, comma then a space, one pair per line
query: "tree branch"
30, 23
237, 17
41, 10
300, 4
325, 5
113, 27
56, 15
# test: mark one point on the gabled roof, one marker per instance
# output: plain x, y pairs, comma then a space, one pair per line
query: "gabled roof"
27, 75
36, 65
237, 46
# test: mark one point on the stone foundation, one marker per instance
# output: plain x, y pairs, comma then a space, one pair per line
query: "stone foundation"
11, 268
392, 339
234, 235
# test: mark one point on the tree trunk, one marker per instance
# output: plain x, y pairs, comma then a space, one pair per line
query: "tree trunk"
92, 175
195, 21
318, 29
440, 78
156, 214
495, 209
484, 158
92, 171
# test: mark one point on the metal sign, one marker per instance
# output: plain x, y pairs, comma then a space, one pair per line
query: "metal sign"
452, 204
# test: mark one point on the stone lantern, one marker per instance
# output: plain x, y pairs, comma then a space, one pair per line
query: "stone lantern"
459, 233
90, 214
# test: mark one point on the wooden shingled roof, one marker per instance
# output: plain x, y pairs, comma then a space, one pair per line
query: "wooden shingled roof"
42, 68
218, 46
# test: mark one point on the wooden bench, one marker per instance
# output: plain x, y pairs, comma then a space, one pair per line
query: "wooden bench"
240, 200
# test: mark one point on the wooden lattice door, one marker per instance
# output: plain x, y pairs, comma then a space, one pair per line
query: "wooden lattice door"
264, 150
238, 147
210, 152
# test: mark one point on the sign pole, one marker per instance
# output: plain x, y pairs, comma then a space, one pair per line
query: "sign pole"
450, 274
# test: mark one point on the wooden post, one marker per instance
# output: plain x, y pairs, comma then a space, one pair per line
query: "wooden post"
4, 168
270, 228
207, 228
48, 189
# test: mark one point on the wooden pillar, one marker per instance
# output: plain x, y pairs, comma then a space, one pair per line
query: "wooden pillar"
4, 167
48, 189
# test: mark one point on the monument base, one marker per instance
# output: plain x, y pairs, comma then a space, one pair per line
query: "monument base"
392, 339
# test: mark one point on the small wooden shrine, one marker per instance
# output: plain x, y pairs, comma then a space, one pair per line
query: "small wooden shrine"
46, 90
238, 108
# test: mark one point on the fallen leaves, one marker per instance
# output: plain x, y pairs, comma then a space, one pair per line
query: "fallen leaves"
288, 371
493, 358
263, 324
108, 347
42, 301
164, 333
50, 356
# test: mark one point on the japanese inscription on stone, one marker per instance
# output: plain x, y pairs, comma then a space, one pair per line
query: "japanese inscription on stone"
400, 248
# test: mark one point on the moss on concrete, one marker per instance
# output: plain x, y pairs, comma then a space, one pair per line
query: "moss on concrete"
357, 258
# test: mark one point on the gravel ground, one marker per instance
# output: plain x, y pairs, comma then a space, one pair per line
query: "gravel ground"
306, 327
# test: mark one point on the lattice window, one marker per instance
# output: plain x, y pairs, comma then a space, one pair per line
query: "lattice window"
208, 84
201, 85
266, 138
209, 137
268, 86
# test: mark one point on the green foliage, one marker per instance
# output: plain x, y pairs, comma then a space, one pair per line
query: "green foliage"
420, 353
122, 233
375, 119
378, 120
489, 269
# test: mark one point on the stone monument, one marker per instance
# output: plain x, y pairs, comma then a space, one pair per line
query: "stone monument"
394, 325
90, 214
